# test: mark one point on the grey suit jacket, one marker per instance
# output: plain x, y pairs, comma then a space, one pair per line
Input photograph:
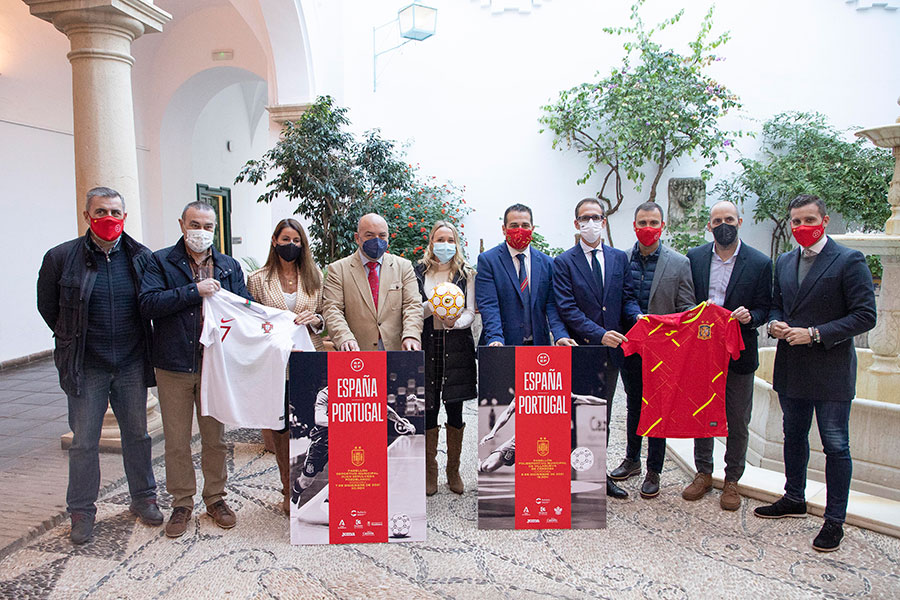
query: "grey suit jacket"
672, 289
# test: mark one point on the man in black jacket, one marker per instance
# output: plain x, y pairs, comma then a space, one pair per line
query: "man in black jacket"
739, 278
823, 297
174, 285
87, 292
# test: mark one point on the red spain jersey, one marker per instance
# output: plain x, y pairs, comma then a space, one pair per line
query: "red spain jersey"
685, 364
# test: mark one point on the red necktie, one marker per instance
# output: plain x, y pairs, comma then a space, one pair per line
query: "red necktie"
373, 281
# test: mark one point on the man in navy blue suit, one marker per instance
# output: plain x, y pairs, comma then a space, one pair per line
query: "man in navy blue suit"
514, 290
735, 276
595, 298
823, 297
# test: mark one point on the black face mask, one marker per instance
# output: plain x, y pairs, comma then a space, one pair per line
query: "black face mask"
288, 252
725, 234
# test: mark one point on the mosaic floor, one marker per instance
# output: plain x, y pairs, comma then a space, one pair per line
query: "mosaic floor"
663, 548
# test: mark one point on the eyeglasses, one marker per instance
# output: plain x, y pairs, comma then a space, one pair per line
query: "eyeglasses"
586, 218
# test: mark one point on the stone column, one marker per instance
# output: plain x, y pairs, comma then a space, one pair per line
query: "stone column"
101, 33
883, 381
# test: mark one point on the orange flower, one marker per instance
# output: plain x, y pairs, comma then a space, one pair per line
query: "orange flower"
410, 224
422, 229
443, 211
393, 235
396, 206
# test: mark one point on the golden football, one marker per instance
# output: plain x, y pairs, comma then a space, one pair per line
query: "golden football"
447, 300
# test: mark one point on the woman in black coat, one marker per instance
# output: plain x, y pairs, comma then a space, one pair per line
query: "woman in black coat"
450, 373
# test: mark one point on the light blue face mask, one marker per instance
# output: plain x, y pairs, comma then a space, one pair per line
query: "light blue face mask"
444, 251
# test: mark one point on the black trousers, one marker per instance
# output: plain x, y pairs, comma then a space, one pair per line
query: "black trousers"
632, 379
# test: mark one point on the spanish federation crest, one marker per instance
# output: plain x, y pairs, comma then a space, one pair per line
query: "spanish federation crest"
704, 332
543, 446
357, 456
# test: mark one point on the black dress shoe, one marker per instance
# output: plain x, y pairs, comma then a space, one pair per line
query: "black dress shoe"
781, 508
82, 528
147, 511
650, 487
615, 491
829, 538
628, 468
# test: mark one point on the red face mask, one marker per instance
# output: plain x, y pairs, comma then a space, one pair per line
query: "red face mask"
107, 228
648, 236
519, 238
807, 235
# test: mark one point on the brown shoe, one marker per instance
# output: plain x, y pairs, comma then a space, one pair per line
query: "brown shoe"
222, 515
178, 522
701, 484
731, 499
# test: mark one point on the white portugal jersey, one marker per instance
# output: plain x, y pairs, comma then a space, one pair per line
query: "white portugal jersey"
247, 349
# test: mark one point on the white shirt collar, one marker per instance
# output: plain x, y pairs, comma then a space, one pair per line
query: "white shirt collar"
526, 251
365, 259
587, 249
732, 257
818, 246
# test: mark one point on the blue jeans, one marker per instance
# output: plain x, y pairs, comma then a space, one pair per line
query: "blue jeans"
125, 392
833, 419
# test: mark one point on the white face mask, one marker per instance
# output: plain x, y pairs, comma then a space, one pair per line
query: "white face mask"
591, 231
198, 240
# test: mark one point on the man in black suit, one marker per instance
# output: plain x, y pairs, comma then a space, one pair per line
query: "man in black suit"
735, 276
595, 298
823, 297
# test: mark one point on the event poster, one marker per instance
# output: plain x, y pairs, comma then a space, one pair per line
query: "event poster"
542, 437
357, 447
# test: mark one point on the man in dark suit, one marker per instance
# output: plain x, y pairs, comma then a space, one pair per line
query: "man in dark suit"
823, 297
662, 285
735, 276
175, 282
595, 298
514, 290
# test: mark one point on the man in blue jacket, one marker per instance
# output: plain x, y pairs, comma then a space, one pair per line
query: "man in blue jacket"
174, 285
823, 297
514, 288
87, 293
735, 276
595, 298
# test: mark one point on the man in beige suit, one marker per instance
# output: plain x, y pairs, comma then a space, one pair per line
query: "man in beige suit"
371, 299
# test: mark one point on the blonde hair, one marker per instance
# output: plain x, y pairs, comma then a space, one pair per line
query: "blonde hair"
457, 263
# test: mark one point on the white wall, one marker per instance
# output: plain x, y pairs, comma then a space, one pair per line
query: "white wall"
469, 97
227, 117
37, 174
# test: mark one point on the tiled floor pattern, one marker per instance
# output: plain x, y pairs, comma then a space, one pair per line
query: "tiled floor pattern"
33, 467
663, 548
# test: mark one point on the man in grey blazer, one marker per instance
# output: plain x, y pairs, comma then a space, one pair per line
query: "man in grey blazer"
662, 285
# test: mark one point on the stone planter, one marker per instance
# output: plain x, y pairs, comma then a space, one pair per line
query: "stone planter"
873, 430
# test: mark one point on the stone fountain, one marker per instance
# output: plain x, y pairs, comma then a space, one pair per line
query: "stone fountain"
875, 416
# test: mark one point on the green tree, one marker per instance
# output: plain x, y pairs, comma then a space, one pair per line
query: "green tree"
657, 107
335, 178
803, 154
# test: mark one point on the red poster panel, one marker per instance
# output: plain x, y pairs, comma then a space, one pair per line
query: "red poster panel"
357, 452
543, 437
